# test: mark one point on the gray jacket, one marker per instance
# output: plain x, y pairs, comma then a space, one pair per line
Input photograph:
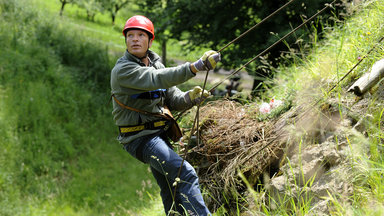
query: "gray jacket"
130, 77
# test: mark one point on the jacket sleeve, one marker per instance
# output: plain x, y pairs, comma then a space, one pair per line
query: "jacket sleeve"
141, 78
175, 99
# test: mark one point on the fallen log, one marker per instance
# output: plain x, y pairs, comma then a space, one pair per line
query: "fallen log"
368, 80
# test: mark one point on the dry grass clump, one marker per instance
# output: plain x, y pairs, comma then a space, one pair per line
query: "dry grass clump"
231, 141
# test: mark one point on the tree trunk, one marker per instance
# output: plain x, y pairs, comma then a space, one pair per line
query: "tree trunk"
164, 52
113, 18
91, 16
62, 7
114, 12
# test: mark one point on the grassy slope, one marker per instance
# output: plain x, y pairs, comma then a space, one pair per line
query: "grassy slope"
104, 32
58, 149
310, 79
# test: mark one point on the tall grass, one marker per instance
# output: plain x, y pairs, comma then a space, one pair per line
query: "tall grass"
309, 79
57, 138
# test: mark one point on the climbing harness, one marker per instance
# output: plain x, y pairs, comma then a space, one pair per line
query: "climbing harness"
170, 125
131, 130
155, 94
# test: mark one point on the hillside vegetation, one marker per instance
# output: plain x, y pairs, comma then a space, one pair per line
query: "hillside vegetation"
58, 151
324, 115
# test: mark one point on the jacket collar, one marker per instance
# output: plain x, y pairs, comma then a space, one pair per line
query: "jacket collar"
153, 57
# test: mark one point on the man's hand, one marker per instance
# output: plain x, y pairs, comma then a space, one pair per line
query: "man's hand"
207, 62
194, 96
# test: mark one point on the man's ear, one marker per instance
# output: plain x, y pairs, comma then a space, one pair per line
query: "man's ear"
150, 43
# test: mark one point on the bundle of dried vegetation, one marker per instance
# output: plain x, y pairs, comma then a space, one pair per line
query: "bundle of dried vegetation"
232, 140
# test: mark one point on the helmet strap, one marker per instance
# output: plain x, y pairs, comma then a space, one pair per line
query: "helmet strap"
143, 57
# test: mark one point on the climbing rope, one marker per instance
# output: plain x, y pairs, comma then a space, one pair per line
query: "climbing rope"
196, 119
238, 38
195, 122
255, 26
270, 47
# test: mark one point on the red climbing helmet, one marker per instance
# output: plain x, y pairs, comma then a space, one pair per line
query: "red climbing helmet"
140, 22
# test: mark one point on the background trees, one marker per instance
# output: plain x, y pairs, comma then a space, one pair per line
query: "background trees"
215, 23
113, 7
63, 3
162, 15
93, 7
212, 24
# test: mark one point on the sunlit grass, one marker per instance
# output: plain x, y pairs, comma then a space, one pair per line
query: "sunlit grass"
311, 78
102, 30
59, 154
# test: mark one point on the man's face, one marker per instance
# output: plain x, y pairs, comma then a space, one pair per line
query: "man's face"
138, 42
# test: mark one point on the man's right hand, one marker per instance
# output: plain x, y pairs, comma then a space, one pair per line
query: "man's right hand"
207, 62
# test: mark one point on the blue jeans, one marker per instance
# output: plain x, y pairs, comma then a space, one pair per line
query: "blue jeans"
165, 164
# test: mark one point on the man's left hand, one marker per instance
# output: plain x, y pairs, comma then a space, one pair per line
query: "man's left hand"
194, 96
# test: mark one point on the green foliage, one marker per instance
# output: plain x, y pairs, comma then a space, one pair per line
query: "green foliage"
91, 62
113, 7
308, 79
213, 28
92, 7
59, 154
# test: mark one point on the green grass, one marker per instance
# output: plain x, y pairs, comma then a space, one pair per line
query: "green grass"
102, 31
58, 153
309, 79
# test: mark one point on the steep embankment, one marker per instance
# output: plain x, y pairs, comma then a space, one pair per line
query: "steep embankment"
58, 153
320, 153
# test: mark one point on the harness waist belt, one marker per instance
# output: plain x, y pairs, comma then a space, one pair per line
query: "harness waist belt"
130, 130
150, 94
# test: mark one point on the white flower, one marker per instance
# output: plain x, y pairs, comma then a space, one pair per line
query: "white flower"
265, 108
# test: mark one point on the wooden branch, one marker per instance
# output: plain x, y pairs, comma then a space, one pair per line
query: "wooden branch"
368, 80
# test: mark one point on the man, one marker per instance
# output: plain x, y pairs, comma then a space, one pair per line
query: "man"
142, 86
